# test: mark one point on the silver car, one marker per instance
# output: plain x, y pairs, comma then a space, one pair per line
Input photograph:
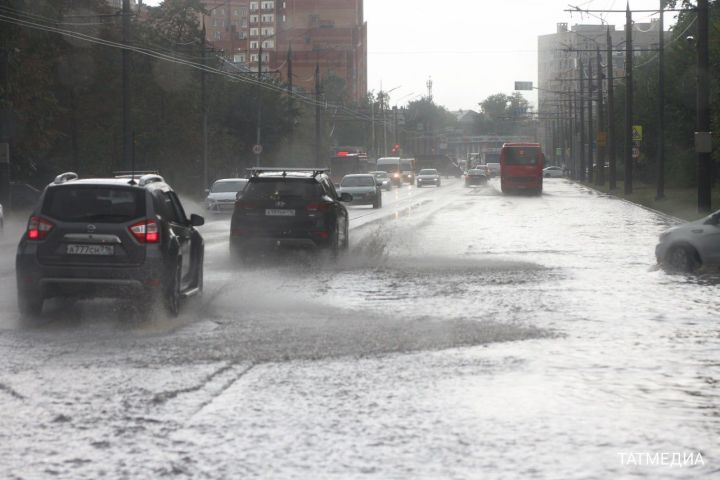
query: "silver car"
688, 247
428, 176
365, 190
223, 193
383, 179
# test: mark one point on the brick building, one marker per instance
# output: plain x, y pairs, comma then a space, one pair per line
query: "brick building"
331, 33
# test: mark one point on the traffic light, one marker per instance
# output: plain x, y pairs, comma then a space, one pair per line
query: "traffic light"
396, 149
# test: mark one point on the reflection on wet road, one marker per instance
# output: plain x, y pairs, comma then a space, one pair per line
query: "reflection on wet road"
467, 334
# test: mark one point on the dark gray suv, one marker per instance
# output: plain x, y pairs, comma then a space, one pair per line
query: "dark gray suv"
109, 237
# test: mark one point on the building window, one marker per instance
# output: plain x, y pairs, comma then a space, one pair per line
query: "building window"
254, 32
254, 18
268, 31
268, 5
218, 35
254, 57
254, 45
268, 18
254, 6
268, 44
239, 58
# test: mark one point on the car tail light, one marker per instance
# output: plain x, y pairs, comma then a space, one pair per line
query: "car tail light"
146, 231
38, 228
323, 235
318, 207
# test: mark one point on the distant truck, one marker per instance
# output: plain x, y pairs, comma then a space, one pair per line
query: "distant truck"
347, 161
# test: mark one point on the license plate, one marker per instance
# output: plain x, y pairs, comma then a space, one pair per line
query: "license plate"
272, 212
90, 250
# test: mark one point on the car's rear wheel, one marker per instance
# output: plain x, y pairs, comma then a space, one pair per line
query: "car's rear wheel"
683, 258
172, 291
30, 305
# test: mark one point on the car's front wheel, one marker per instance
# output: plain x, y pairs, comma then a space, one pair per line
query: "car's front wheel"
683, 258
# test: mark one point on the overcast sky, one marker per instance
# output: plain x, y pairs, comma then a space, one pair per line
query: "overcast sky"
470, 48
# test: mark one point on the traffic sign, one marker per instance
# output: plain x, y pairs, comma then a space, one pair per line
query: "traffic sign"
257, 149
523, 85
637, 133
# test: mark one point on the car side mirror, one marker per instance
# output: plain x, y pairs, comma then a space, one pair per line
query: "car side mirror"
714, 220
196, 220
346, 197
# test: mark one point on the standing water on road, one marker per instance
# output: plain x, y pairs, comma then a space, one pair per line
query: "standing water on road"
467, 334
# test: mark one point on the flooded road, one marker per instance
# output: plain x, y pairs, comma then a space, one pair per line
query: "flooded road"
467, 334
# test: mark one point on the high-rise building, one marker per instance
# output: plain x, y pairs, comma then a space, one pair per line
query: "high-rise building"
227, 28
331, 34
560, 55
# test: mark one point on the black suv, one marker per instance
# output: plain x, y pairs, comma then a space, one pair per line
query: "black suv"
289, 207
109, 237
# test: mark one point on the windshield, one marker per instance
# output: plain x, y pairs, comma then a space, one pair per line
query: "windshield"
522, 156
380, 175
388, 167
228, 186
364, 181
428, 172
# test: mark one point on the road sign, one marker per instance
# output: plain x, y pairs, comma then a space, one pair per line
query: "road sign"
637, 132
523, 85
257, 149
602, 139
636, 153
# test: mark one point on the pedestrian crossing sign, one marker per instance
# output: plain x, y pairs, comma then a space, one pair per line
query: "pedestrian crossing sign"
637, 133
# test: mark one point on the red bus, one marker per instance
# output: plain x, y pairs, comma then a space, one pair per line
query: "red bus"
521, 167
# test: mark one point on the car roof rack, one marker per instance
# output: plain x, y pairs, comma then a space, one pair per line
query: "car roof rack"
135, 173
65, 177
255, 171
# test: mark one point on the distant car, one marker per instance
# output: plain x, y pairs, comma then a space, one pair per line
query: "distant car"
553, 172
688, 247
428, 176
383, 179
289, 208
223, 193
109, 237
364, 189
493, 169
476, 176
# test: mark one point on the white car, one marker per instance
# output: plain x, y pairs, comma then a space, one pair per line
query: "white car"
493, 169
223, 193
553, 172
688, 247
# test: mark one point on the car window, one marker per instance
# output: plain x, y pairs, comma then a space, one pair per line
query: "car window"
272, 189
84, 203
364, 181
522, 155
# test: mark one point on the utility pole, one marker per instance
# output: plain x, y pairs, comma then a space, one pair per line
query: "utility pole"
661, 107
703, 139
126, 131
581, 102
258, 136
5, 130
395, 124
573, 146
203, 100
318, 158
611, 114
601, 144
290, 75
384, 122
591, 132
628, 102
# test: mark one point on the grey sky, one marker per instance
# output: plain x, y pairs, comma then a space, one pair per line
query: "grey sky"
470, 48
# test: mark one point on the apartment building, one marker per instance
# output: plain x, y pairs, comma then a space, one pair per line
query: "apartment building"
328, 33
561, 54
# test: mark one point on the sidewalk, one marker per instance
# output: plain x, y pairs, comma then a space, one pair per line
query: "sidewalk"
678, 202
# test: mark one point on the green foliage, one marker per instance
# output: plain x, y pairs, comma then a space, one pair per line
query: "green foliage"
66, 95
